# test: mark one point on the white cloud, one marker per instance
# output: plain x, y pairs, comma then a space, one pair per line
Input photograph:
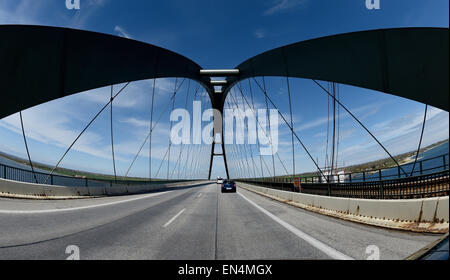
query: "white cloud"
283, 5
122, 32
23, 12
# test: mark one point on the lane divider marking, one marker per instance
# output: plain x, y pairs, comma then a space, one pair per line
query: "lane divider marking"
331, 252
174, 217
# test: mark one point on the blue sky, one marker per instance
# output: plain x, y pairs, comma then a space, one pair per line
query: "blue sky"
220, 34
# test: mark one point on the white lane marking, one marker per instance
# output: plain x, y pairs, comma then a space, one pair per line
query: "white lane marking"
199, 195
331, 252
173, 219
78, 208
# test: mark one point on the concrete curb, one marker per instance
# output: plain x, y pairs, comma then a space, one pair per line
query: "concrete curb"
429, 215
14, 189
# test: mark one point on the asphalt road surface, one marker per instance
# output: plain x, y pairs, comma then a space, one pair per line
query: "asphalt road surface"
197, 222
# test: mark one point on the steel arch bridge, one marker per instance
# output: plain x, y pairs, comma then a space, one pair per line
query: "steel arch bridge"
40, 64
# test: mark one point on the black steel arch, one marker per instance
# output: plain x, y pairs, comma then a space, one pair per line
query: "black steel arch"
41, 63
408, 62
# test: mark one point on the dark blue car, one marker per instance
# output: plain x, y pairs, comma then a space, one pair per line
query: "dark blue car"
228, 186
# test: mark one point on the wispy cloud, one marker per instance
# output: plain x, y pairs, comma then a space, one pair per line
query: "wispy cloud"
368, 111
122, 32
23, 12
259, 34
284, 5
88, 9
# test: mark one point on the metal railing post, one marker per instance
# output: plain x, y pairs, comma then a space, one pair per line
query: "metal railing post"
381, 190
379, 174
445, 163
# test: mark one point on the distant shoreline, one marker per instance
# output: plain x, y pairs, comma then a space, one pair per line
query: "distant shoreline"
402, 159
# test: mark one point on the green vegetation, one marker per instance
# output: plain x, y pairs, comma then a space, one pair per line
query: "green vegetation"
375, 165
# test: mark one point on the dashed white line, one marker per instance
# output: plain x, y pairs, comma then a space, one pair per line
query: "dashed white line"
78, 208
199, 195
174, 217
331, 252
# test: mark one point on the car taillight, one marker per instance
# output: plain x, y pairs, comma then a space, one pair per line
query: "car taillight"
234, 185
222, 185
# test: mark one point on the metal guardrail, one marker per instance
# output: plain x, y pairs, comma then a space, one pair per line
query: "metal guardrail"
429, 185
23, 175
430, 179
423, 167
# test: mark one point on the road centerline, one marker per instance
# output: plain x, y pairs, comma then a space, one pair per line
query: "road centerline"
173, 218
329, 251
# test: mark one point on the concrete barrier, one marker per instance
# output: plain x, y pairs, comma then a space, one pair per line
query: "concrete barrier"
419, 215
16, 189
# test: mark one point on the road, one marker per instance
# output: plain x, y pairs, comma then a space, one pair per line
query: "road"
197, 222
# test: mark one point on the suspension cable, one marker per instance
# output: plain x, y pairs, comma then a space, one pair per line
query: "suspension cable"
421, 137
112, 136
85, 128
259, 146
26, 147
293, 132
363, 126
268, 117
150, 137
170, 130
189, 147
178, 163
151, 131
246, 125
267, 134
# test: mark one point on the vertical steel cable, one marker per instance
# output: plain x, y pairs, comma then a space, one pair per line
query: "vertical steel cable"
290, 110
421, 137
178, 163
333, 91
246, 126
170, 130
363, 126
245, 152
328, 132
151, 131
150, 138
112, 135
292, 129
278, 156
259, 146
81, 133
338, 126
189, 147
270, 129
26, 147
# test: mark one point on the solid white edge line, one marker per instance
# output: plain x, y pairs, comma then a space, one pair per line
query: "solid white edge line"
174, 217
331, 252
79, 208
